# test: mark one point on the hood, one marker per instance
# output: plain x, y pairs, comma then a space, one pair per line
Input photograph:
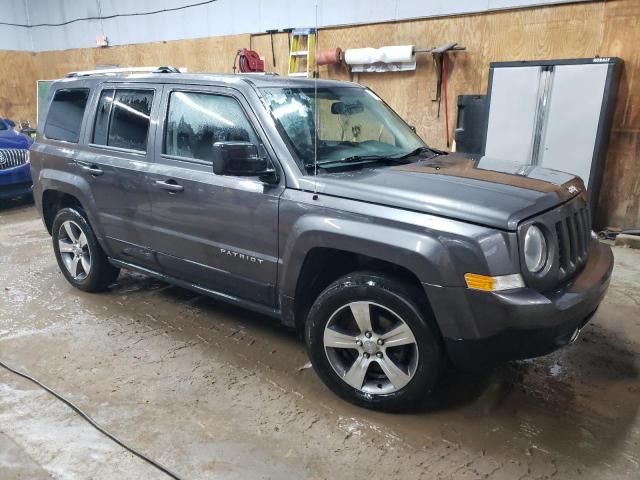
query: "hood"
12, 139
475, 189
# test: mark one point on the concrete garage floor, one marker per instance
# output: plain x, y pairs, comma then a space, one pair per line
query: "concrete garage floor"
213, 391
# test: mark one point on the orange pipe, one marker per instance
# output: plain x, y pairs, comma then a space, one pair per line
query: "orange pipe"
329, 57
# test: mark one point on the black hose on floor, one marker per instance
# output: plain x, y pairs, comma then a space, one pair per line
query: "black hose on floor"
93, 423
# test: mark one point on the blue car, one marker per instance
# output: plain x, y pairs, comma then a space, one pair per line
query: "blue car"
15, 173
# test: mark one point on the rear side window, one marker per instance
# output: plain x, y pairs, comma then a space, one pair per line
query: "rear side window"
122, 119
195, 121
103, 115
65, 115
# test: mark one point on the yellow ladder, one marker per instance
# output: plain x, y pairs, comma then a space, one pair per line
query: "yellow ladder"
302, 54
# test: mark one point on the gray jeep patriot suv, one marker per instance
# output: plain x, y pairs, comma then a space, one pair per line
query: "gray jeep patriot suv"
314, 203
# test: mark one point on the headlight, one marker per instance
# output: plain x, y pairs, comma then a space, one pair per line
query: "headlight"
535, 249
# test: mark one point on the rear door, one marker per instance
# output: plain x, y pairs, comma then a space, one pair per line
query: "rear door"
116, 164
213, 230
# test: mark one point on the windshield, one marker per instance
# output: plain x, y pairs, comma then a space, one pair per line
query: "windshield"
354, 125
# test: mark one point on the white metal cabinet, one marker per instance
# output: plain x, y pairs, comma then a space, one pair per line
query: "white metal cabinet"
555, 114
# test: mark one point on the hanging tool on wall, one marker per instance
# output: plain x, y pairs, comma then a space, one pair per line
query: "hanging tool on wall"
273, 52
288, 32
441, 61
248, 61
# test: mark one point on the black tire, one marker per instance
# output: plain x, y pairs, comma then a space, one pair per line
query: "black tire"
383, 292
101, 273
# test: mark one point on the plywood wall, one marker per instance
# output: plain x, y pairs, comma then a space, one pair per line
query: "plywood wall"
17, 85
567, 31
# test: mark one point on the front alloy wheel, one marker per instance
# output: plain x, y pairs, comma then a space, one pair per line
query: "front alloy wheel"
371, 347
371, 341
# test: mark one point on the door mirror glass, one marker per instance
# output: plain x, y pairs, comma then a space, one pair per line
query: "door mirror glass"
240, 159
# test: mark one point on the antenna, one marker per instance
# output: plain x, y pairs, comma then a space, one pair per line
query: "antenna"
315, 107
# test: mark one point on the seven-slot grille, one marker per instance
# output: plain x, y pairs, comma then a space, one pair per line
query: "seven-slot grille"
12, 157
573, 234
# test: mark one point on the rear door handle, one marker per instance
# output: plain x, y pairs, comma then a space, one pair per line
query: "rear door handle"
92, 170
170, 185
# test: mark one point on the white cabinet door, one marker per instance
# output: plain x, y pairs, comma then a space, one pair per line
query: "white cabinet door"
512, 113
573, 117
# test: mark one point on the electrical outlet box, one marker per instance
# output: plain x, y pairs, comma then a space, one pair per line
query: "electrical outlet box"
102, 41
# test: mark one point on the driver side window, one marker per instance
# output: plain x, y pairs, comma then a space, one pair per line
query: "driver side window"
195, 121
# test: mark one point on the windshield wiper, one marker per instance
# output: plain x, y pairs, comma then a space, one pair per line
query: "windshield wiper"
357, 160
420, 150
352, 160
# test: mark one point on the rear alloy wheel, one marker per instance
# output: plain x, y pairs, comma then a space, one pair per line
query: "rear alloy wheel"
74, 250
370, 340
80, 257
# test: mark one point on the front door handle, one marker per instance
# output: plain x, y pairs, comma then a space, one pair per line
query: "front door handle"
92, 170
170, 185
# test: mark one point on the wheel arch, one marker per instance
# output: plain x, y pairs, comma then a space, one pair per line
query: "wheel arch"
315, 257
52, 202
62, 190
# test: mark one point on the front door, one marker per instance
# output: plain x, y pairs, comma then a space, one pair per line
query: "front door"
217, 231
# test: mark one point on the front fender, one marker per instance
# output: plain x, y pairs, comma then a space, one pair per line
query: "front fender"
437, 250
422, 255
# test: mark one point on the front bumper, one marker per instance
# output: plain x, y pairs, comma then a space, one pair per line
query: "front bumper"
15, 181
484, 328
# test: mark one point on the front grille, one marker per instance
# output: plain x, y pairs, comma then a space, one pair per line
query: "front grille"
12, 157
573, 233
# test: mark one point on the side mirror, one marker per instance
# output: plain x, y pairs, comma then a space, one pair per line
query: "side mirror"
241, 159
413, 128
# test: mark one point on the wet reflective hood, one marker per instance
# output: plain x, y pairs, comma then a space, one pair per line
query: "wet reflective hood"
476, 189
